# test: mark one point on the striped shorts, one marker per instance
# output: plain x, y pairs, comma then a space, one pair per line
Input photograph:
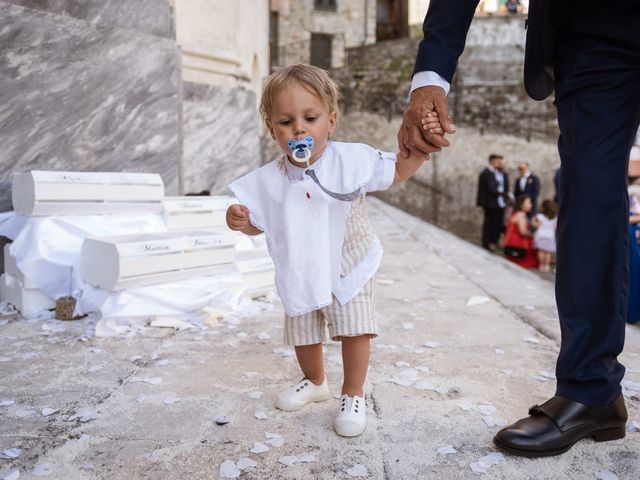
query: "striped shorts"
352, 319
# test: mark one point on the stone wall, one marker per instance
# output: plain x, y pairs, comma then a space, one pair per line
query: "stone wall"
487, 92
96, 85
444, 190
90, 86
221, 136
298, 19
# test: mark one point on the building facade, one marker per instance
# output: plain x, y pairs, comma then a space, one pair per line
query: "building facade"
225, 59
319, 31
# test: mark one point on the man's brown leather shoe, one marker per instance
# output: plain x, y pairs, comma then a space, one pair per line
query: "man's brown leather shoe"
553, 427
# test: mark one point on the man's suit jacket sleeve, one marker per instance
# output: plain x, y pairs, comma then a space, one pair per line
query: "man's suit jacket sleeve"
445, 32
536, 186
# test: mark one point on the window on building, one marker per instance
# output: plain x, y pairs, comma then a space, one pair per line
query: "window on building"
321, 50
327, 5
274, 47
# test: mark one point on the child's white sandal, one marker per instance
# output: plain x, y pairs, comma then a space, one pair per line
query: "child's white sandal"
304, 392
352, 418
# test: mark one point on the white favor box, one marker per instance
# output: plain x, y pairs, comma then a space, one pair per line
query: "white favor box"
39, 193
191, 213
27, 301
11, 267
119, 262
257, 270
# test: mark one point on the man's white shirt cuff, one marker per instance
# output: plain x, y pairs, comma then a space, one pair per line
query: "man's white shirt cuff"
425, 79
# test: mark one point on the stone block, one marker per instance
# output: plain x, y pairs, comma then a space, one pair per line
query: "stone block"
80, 98
221, 136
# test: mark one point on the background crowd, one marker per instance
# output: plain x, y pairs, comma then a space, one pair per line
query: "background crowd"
529, 232
523, 228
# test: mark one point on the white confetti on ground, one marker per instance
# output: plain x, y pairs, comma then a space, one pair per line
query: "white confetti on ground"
499, 351
140, 398
634, 426
283, 352
385, 281
259, 448
135, 358
486, 462
25, 413
431, 344
358, 470
4, 403
446, 450
494, 421
288, 460
275, 439
162, 363
95, 349
307, 457
255, 395
84, 414
149, 380
49, 411
407, 326
41, 470
465, 405
3, 322
12, 475
533, 340
402, 364
606, 475
419, 350
423, 369
11, 453
229, 469
486, 408
95, 368
477, 300
260, 415
171, 400
428, 386
246, 463
84, 437
264, 336
404, 382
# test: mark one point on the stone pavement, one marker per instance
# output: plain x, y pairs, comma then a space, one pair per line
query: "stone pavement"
467, 343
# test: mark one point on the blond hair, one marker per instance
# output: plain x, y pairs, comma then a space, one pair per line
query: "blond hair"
317, 80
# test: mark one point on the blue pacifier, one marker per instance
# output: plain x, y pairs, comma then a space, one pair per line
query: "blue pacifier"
301, 149
301, 152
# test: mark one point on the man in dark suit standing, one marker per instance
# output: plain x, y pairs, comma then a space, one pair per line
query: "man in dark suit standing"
589, 51
493, 185
527, 184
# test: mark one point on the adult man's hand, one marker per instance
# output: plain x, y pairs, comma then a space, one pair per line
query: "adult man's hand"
411, 135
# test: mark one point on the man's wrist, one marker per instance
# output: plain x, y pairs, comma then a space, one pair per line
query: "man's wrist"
429, 78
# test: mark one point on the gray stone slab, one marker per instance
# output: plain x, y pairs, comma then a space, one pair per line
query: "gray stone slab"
214, 370
76, 97
153, 17
221, 136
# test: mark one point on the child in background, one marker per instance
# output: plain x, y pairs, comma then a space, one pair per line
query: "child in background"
545, 237
310, 205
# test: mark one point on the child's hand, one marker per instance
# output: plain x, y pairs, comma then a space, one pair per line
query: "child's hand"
431, 123
238, 217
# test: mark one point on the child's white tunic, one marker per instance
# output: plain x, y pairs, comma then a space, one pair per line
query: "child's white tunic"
305, 228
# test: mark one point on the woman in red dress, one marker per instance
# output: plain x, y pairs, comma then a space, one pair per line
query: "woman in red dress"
518, 238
